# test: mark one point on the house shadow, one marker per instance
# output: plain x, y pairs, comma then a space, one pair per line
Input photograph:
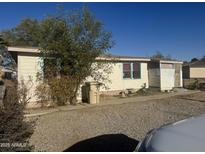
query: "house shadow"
105, 143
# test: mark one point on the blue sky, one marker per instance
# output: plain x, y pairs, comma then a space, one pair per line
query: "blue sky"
139, 29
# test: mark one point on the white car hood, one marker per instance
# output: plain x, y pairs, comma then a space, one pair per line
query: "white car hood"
185, 135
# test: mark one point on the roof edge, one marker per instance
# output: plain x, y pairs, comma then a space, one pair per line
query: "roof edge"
23, 49
122, 59
109, 58
171, 61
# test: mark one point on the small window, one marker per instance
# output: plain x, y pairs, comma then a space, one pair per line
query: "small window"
136, 71
131, 70
126, 70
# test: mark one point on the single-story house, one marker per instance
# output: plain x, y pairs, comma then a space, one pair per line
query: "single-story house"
194, 70
194, 73
128, 72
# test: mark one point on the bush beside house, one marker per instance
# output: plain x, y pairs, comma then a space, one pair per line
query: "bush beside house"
15, 130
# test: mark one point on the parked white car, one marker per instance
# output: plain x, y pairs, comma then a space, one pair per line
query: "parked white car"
184, 136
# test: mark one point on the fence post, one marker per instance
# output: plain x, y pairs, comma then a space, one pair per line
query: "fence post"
91, 93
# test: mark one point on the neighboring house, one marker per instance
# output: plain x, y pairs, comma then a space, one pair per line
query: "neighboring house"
194, 73
127, 73
194, 70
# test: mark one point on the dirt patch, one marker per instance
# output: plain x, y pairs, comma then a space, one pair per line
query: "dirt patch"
195, 97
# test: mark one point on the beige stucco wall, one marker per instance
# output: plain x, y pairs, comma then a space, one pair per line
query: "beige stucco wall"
118, 83
197, 72
28, 66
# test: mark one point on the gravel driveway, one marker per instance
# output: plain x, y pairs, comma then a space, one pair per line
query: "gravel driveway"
60, 130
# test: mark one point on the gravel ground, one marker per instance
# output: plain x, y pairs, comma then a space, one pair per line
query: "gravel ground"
196, 96
60, 130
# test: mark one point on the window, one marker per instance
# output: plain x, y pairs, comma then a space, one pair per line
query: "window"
136, 71
131, 70
126, 70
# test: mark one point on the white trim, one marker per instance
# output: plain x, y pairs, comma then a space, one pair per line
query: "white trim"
181, 77
122, 59
36, 50
171, 61
20, 49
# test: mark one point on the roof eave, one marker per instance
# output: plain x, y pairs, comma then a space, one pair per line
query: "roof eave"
25, 50
171, 61
122, 59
